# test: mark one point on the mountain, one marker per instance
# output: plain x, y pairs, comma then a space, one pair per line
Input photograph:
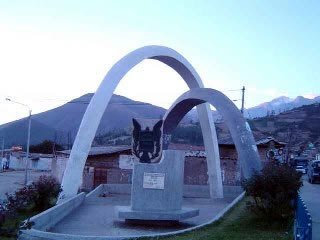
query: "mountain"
63, 122
273, 107
279, 105
298, 126
15, 133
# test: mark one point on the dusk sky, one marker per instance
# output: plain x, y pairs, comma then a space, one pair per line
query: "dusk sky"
54, 51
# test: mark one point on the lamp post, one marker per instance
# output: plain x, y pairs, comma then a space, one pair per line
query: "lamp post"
28, 139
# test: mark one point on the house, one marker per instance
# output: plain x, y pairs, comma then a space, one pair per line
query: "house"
16, 160
196, 164
102, 166
114, 164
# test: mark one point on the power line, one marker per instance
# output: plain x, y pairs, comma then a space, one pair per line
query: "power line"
231, 90
86, 102
130, 104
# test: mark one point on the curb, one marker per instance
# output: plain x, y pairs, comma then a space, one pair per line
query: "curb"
37, 234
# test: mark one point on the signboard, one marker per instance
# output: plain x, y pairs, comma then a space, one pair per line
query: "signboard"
153, 180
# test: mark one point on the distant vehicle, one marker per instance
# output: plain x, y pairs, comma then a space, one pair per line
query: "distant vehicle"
313, 171
299, 161
16, 148
301, 169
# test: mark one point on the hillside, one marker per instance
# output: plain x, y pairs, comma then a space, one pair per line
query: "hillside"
63, 122
299, 125
278, 105
275, 106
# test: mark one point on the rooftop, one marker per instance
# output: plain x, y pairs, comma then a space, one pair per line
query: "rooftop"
102, 150
259, 141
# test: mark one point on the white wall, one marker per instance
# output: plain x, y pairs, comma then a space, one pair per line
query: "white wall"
18, 163
58, 167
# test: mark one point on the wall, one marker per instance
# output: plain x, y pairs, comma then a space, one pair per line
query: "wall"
47, 219
104, 169
88, 179
18, 163
58, 167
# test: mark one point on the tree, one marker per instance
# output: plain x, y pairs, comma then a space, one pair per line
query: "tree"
46, 147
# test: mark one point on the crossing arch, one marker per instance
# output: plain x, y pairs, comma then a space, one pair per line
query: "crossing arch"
72, 178
239, 128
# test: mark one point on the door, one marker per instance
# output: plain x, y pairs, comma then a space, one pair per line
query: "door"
100, 176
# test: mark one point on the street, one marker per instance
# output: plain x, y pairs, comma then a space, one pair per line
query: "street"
13, 180
310, 193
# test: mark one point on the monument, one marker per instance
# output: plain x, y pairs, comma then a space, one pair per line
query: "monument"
72, 178
157, 187
157, 181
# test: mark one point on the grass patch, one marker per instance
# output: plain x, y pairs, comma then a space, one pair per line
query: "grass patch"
13, 222
240, 223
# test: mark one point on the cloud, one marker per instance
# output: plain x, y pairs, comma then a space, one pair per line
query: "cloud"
311, 95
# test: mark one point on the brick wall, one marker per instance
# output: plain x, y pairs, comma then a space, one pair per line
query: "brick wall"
105, 168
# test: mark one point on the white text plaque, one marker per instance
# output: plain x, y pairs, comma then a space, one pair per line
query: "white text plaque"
153, 180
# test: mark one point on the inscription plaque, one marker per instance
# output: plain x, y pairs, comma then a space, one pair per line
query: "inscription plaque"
153, 180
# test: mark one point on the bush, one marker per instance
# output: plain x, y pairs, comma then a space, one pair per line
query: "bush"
44, 191
18, 201
273, 190
28, 200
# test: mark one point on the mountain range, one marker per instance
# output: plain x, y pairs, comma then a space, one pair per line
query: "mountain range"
61, 124
275, 106
278, 105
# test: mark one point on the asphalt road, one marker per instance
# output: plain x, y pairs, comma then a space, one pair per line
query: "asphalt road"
13, 180
311, 195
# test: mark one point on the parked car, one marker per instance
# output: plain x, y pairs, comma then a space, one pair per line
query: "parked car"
313, 171
300, 168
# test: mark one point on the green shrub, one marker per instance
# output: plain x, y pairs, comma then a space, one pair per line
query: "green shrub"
26, 202
44, 191
273, 190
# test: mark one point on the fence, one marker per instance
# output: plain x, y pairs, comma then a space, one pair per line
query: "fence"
303, 221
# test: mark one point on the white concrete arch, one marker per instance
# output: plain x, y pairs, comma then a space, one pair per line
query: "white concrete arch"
72, 178
238, 126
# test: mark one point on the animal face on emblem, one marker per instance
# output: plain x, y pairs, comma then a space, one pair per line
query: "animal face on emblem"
146, 143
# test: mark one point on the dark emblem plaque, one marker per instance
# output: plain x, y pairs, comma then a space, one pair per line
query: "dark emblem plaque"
146, 144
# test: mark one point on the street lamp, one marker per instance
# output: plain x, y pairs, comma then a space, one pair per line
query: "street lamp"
28, 139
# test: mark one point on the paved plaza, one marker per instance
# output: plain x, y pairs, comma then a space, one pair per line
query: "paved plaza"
97, 217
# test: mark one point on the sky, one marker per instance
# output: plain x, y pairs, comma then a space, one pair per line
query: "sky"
54, 51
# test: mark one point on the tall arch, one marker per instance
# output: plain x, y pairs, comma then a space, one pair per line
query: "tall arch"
72, 178
238, 126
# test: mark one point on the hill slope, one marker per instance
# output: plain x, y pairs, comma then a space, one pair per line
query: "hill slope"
279, 105
275, 106
299, 125
61, 121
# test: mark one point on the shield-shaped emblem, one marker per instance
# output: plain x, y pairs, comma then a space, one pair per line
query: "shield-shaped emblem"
146, 140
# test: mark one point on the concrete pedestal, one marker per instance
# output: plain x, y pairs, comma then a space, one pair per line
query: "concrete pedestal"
157, 190
127, 213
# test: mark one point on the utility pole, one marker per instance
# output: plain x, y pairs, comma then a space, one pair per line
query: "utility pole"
28, 139
2, 148
242, 102
28, 145
2, 154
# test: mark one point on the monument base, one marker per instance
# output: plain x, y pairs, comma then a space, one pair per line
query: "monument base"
125, 212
